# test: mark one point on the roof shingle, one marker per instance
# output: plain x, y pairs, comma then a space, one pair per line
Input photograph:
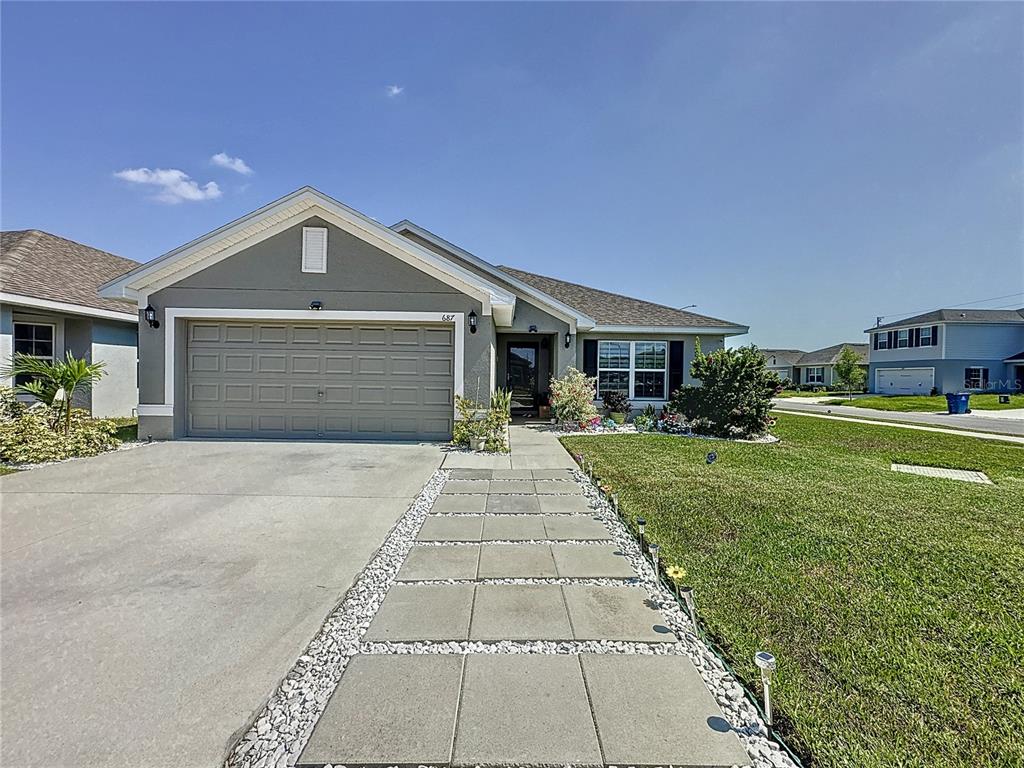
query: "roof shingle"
612, 309
957, 316
44, 266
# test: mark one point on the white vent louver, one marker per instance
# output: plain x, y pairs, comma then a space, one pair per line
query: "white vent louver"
314, 249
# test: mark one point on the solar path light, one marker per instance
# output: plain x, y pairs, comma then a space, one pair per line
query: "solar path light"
766, 663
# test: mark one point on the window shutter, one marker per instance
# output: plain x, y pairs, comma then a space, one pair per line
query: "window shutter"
935, 335
874, 340
675, 366
892, 339
916, 334
314, 249
590, 357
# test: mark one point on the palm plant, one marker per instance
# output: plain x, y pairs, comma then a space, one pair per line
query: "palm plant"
55, 383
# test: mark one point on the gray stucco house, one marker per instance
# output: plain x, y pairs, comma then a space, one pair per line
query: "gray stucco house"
49, 306
307, 319
950, 350
815, 368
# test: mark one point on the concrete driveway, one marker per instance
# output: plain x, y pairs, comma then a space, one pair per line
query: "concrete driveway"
153, 598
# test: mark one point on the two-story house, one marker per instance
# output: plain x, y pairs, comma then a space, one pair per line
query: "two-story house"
948, 350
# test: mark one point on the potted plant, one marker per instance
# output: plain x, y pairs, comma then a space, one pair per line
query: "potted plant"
617, 405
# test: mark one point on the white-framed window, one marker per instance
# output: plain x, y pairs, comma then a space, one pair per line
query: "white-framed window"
35, 339
925, 339
637, 368
903, 338
815, 375
976, 378
881, 341
314, 249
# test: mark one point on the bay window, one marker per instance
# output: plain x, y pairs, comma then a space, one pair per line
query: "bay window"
637, 368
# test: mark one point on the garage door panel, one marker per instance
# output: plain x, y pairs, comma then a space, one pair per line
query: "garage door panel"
904, 381
289, 380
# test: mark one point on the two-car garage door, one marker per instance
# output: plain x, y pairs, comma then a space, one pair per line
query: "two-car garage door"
904, 381
330, 380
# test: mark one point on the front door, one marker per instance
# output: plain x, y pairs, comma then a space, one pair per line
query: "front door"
521, 376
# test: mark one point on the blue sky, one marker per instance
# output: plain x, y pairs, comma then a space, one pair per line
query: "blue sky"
800, 168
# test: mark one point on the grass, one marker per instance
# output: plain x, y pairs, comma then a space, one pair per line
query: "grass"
893, 602
927, 403
801, 393
127, 427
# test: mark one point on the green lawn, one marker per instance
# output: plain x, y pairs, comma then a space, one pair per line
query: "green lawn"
800, 393
926, 403
127, 427
893, 602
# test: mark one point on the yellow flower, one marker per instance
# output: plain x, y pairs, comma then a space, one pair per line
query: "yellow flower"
677, 573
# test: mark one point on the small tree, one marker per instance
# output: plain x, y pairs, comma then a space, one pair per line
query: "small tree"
849, 373
55, 383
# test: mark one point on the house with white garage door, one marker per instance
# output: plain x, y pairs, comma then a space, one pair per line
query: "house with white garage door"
948, 350
306, 319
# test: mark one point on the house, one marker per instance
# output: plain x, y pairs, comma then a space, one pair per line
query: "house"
781, 361
49, 306
307, 319
811, 369
949, 350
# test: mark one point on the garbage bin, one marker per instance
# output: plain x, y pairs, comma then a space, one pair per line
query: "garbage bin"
958, 402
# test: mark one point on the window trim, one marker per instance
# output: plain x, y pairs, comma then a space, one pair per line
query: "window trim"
53, 341
921, 337
903, 338
882, 340
819, 378
632, 370
983, 374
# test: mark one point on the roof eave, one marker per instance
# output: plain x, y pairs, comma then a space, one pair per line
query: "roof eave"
695, 330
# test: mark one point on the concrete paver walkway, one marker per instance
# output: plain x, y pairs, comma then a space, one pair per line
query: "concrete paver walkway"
509, 556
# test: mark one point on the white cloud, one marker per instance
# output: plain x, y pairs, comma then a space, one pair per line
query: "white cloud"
395, 90
173, 186
236, 164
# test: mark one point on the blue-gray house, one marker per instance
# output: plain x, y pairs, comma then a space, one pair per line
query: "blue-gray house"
948, 350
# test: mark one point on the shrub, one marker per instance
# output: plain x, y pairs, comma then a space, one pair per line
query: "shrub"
475, 421
615, 401
28, 438
572, 397
735, 397
673, 424
643, 423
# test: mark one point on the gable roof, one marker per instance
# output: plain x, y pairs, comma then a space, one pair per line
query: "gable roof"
829, 355
611, 309
289, 211
560, 309
783, 356
47, 268
956, 316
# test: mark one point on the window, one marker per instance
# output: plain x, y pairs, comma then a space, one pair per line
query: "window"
903, 338
925, 340
976, 378
637, 368
35, 339
815, 375
881, 341
314, 249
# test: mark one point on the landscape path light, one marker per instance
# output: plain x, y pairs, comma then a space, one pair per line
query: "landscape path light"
641, 524
686, 594
654, 549
766, 663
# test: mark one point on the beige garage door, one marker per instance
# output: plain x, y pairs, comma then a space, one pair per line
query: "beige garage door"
334, 381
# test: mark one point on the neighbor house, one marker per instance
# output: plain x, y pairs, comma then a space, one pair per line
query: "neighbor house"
49, 306
811, 369
949, 350
307, 319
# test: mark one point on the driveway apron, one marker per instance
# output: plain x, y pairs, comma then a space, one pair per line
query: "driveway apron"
511, 561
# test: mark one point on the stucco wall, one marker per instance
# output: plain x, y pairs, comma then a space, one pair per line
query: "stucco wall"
117, 393
268, 276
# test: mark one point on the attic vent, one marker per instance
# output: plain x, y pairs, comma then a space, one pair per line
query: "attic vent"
314, 249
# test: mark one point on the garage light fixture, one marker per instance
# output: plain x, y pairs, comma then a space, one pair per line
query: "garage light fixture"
766, 663
472, 321
316, 305
568, 340
150, 314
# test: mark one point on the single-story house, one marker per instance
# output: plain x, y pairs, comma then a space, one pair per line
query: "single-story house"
781, 361
307, 319
49, 306
949, 350
814, 369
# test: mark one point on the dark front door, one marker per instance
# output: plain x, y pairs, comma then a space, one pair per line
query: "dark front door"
521, 377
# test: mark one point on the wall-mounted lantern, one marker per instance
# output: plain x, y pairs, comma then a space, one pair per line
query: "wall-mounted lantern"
150, 314
316, 305
568, 340
472, 321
